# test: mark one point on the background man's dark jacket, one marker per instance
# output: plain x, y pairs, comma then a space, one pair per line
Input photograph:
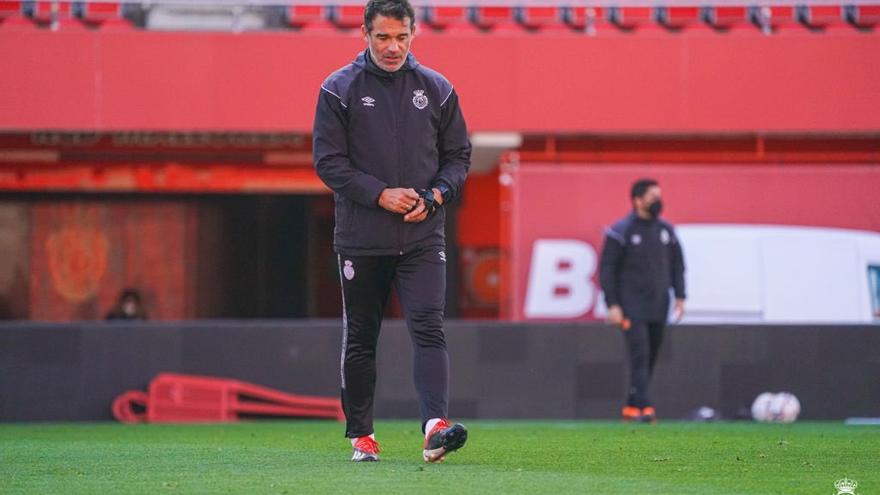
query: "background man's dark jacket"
640, 261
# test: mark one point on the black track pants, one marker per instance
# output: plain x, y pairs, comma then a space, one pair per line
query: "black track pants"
420, 280
643, 341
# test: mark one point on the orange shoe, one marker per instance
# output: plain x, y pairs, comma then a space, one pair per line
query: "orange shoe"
648, 415
630, 413
365, 450
443, 439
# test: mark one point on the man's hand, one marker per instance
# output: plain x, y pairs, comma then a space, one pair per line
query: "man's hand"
678, 313
420, 213
399, 200
615, 315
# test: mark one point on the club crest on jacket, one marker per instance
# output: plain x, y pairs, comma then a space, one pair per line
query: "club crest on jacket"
420, 100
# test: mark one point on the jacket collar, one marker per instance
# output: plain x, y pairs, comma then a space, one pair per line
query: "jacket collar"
365, 61
636, 218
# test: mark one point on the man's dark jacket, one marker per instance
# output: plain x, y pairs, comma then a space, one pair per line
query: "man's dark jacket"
640, 261
376, 129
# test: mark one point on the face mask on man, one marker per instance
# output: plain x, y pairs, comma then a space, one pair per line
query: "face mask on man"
655, 208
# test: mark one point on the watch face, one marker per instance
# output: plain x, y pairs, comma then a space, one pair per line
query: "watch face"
444, 191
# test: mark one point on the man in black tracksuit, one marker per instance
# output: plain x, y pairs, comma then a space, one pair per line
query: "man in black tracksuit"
391, 142
640, 261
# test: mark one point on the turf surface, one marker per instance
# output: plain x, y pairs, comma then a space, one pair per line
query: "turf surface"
500, 457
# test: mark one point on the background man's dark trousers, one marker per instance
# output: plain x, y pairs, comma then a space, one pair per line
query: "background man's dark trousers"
420, 280
643, 341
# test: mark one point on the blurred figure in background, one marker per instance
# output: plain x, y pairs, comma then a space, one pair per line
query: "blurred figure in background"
129, 306
641, 259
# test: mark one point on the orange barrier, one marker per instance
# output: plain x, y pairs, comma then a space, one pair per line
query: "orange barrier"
174, 398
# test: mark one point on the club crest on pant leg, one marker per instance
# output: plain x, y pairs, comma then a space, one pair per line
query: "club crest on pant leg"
348, 270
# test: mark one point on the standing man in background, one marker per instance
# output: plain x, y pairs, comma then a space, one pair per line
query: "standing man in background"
641, 260
391, 142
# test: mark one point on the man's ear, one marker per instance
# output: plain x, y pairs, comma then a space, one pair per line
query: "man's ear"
364, 33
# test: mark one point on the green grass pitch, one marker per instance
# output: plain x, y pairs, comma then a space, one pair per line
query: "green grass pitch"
555, 457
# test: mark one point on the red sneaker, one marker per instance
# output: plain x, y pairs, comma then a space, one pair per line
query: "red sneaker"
630, 413
365, 450
443, 439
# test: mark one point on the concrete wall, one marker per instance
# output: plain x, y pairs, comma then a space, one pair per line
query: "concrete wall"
72, 372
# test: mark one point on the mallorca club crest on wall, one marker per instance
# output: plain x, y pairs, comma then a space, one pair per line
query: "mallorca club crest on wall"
77, 253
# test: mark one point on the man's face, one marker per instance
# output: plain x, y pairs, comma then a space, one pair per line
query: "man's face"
129, 307
389, 41
643, 203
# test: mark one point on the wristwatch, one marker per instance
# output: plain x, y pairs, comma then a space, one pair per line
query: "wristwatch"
429, 200
445, 192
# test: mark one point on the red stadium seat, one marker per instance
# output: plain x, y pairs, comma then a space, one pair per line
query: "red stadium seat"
42, 11
819, 16
447, 17
493, 18
10, 9
54, 14
726, 17
307, 16
347, 16
12, 14
104, 14
677, 18
585, 19
772, 18
862, 16
630, 17
540, 18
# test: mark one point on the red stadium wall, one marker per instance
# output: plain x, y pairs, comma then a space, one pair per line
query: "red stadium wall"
596, 196
694, 81
646, 97
72, 258
66, 258
479, 238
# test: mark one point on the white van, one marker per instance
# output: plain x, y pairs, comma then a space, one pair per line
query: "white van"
780, 274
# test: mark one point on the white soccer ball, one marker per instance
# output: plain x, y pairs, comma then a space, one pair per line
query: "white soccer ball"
786, 407
761, 407
782, 407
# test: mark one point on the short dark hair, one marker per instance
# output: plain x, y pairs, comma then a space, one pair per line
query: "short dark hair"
132, 294
640, 187
398, 9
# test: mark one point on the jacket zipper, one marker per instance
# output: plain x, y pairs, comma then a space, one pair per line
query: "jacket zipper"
397, 84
